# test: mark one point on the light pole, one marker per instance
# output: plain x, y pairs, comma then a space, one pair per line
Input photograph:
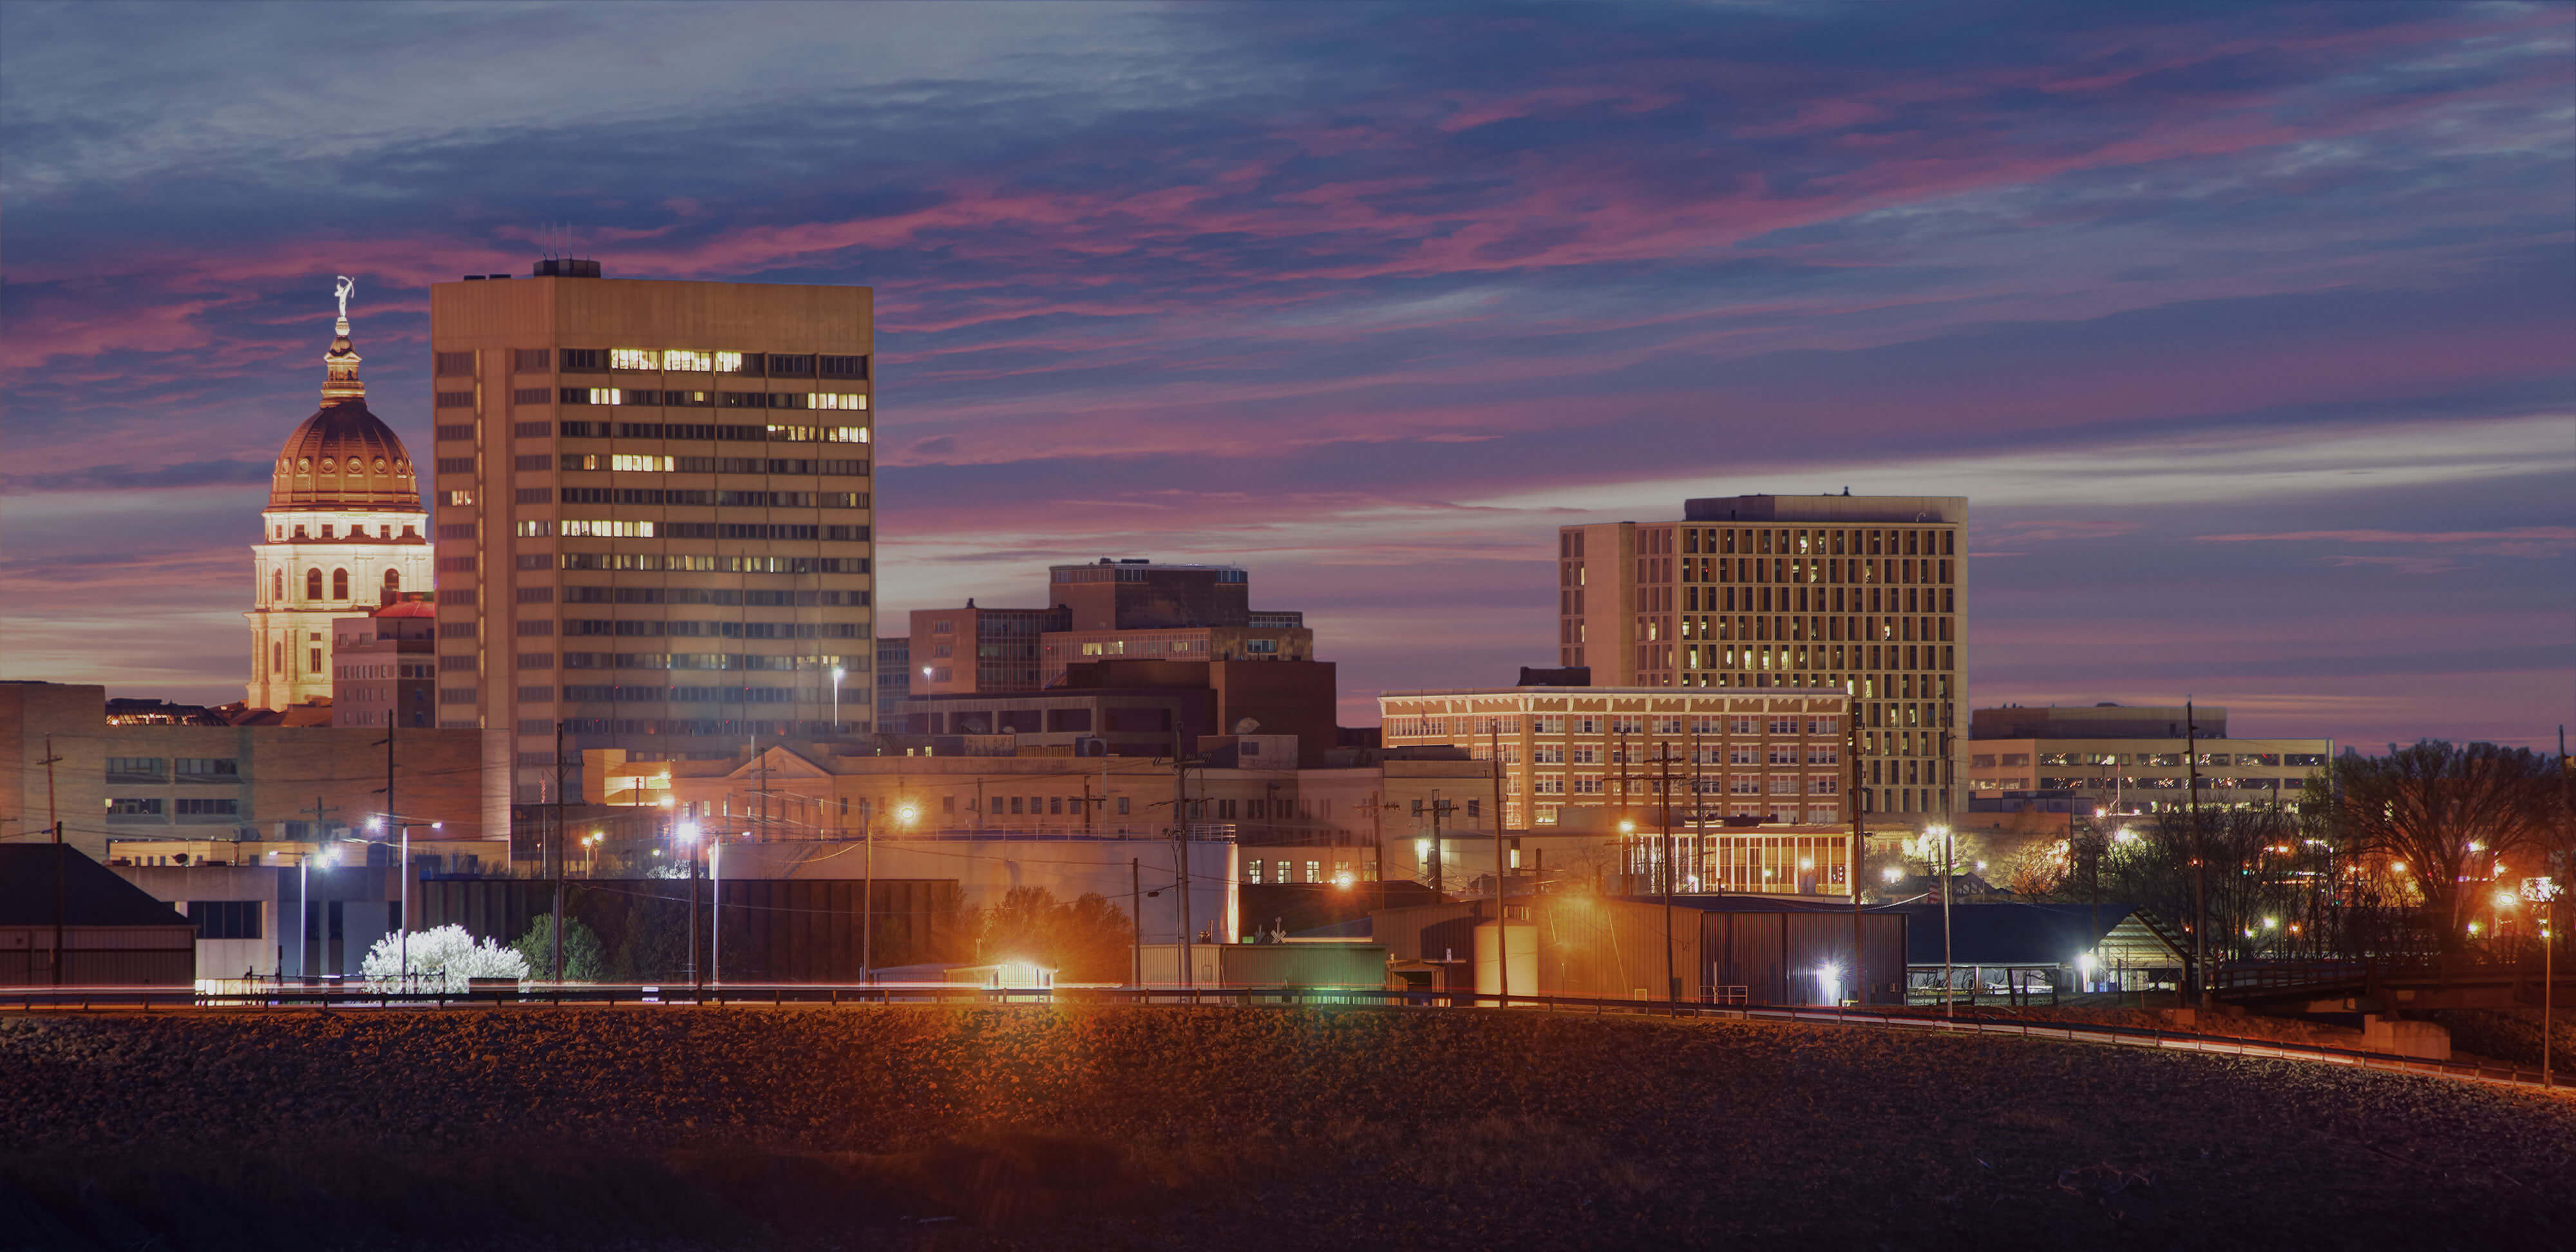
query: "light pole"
687, 834
2544, 892
1949, 990
837, 671
402, 873
868, 894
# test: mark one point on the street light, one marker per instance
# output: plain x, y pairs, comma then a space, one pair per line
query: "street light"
687, 833
1949, 884
402, 874
903, 813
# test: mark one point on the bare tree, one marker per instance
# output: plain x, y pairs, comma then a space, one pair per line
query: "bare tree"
2448, 813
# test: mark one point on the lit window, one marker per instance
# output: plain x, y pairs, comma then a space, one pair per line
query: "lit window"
684, 359
845, 434
634, 359
602, 529
460, 497
536, 530
822, 400
607, 395
728, 362
622, 461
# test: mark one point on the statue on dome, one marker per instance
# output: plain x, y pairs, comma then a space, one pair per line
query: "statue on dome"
342, 290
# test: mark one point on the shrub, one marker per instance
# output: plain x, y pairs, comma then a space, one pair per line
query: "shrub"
441, 959
583, 961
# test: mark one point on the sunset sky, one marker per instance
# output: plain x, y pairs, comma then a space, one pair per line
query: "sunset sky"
2247, 329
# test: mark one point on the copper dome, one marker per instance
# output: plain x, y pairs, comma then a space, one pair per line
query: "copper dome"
344, 457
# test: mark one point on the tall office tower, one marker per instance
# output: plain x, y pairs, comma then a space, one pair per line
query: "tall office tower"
652, 513
1858, 592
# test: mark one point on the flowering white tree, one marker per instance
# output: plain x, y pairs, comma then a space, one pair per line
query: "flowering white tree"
442, 960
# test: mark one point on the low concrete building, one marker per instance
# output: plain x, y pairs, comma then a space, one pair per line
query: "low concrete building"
294, 913
1724, 949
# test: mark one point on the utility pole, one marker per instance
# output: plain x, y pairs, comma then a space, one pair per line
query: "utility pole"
2199, 855
1181, 858
1136, 912
1502, 892
1852, 859
1664, 796
1439, 882
558, 926
868, 893
54, 819
1949, 885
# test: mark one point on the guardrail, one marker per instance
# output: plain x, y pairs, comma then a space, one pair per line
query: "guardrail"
634, 995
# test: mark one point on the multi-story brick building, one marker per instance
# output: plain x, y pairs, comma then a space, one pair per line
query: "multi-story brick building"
1756, 780
652, 511
1865, 594
384, 667
1109, 609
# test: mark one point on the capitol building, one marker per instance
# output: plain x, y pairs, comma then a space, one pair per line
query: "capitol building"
344, 534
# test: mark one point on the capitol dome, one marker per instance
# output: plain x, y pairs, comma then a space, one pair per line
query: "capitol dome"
343, 457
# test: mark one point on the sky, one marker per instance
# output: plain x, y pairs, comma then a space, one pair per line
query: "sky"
2247, 329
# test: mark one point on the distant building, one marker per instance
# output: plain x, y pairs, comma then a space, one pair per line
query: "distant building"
1859, 593
1755, 780
1132, 609
2126, 760
384, 668
1124, 707
893, 681
978, 651
344, 532
114, 784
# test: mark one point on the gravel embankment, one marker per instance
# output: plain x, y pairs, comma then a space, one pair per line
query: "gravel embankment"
1224, 1127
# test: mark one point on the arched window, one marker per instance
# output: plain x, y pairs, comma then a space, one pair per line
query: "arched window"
339, 584
277, 584
393, 584
313, 584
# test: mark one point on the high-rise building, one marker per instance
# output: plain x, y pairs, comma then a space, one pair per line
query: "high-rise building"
343, 533
653, 515
1861, 593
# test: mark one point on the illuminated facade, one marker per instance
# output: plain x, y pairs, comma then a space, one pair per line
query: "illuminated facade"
343, 534
1756, 780
1867, 594
653, 514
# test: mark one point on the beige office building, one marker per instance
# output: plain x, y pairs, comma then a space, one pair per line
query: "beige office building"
2131, 761
1756, 781
652, 512
1864, 594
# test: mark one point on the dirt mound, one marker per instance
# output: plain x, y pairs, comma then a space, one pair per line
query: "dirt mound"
1248, 1128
